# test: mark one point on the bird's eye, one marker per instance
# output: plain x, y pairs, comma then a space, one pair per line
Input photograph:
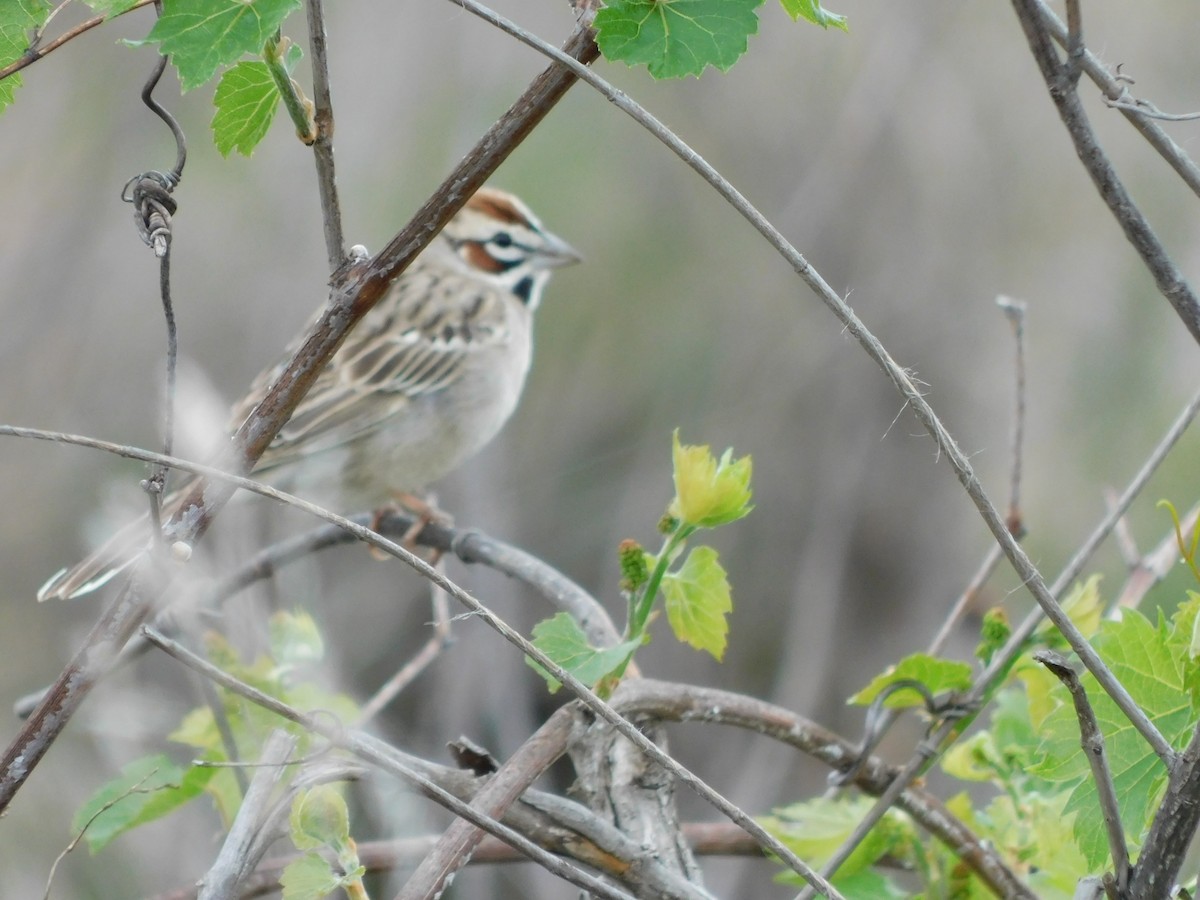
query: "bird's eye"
503, 239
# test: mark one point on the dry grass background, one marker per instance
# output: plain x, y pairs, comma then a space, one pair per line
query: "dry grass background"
916, 162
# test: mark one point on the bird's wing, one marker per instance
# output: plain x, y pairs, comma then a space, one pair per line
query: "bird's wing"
415, 343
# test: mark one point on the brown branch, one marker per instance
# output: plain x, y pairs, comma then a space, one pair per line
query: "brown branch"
33, 54
1174, 826
355, 290
1091, 740
331, 212
453, 850
1171, 283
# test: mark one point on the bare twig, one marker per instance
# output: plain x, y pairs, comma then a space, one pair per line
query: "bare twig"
1149, 570
408, 673
236, 860
331, 212
1014, 311
1114, 90
454, 849
1171, 283
34, 53
1148, 109
1091, 740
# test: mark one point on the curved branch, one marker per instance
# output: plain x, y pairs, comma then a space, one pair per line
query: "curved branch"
687, 703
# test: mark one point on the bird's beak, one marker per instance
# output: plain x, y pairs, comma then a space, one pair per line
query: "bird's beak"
558, 252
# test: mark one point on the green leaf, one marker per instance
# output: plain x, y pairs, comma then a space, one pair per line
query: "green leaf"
709, 492
295, 639
936, 674
147, 789
112, 8
320, 818
201, 36
1083, 607
561, 639
18, 18
246, 100
815, 829
1161, 679
310, 877
698, 601
674, 38
811, 10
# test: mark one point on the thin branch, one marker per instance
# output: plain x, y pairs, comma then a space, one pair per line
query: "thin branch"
1114, 90
33, 54
454, 849
1148, 109
1171, 283
236, 861
331, 212
1091, 740
966, 600
1149, 570
356, 289
406, 674
1014, 311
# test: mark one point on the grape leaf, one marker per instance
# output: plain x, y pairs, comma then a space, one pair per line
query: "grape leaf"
561, 639
936, 674
309, 878
675, 38
201, 36
1147, 661
246, 100
811, 10
18, 18
698, 601
147, 789
709, 492
111, 8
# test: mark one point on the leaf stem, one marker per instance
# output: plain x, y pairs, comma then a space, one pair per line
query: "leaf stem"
299, 107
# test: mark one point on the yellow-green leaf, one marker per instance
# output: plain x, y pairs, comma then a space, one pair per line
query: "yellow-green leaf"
709, 492
561, 639
936, 674
698, 601
320, 818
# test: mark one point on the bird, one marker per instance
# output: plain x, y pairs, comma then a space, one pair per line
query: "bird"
421, 384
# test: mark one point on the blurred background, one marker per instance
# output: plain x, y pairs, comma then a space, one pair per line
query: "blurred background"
917, 163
